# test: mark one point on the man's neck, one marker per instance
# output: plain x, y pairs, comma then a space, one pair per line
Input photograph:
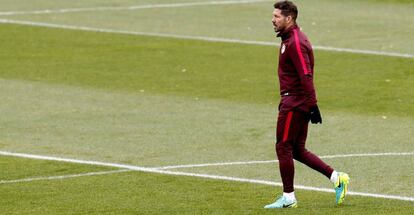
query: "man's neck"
289, 26
283, 33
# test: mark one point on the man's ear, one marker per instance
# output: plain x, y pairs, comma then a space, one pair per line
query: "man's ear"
289, 19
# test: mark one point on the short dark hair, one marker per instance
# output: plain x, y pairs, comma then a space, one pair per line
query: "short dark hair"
287, 8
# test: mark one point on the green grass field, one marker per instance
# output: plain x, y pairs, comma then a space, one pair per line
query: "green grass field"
158, 101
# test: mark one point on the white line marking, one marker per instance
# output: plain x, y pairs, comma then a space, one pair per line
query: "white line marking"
215, 164
62, 176
216, 177
133, 7
274, 161
209, 39
367, 52
271, 183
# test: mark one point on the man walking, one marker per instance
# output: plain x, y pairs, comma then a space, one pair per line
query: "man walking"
298, 105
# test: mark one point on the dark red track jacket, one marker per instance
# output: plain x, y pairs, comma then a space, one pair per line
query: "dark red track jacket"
296, 71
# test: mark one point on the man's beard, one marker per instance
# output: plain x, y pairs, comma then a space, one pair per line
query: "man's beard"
277, 30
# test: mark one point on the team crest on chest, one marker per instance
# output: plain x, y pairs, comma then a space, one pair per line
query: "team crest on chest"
283, 48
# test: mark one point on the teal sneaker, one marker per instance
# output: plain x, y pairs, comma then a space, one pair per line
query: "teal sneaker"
341, 187
283, 202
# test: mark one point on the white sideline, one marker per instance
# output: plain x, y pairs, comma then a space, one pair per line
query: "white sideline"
62, 176
216, 177
274, 161
133, 7
210, 39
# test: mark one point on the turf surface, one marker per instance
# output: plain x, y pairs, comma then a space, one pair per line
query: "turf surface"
142, 193
345, 82
152, 101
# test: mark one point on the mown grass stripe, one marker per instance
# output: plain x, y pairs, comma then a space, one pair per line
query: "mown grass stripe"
274, 161
59, 177
202, 38
215, 177
133, 7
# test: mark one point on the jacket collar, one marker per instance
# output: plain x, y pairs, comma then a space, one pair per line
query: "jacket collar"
287, 32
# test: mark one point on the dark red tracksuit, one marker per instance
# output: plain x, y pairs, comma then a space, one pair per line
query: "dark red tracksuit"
297, 96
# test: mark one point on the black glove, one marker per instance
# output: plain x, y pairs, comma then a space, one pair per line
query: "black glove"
315, 115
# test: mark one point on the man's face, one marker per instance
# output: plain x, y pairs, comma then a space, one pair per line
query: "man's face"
279, 21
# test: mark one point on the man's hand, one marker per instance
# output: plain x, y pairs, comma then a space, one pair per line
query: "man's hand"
315, 115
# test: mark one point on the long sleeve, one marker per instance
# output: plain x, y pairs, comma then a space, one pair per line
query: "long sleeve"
302, 58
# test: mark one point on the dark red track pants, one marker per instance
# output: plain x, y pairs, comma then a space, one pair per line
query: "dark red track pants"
292, 129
